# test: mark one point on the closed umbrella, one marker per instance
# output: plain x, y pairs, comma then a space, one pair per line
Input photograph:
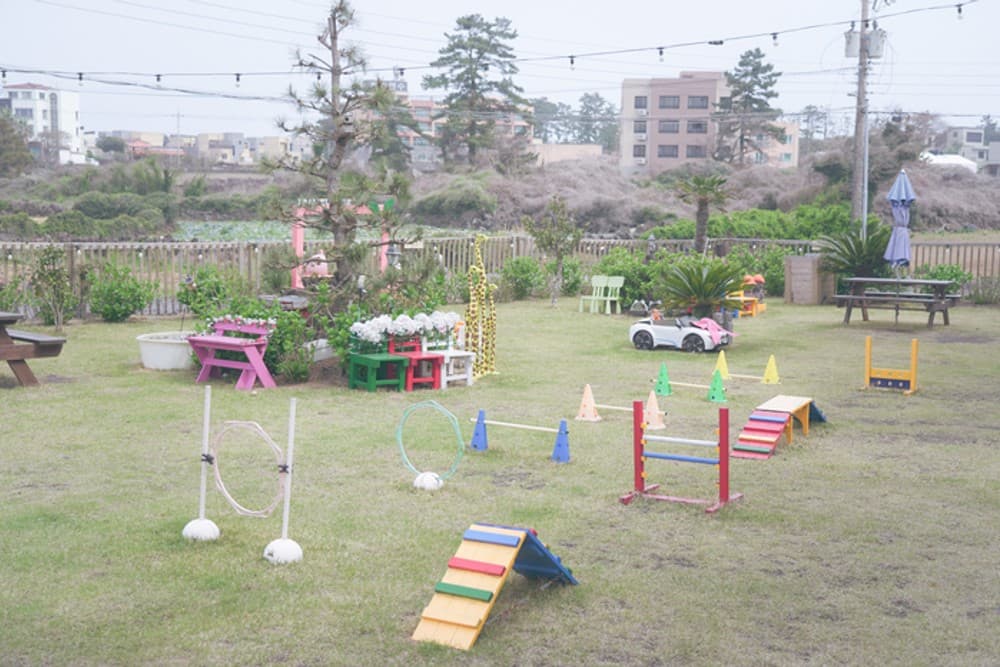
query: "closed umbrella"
900, 197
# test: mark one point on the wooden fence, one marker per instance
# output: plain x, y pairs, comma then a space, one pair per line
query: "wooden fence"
170, 264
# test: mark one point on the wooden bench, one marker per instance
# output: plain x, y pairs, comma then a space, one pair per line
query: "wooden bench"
411, 349
23, 345
372, 370
897, 301
458, 363
244, 337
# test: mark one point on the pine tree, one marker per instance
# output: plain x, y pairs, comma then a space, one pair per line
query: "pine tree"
748, 112
597, 122
478, 68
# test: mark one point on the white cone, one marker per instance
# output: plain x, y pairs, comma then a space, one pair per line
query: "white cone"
283, 551
203, 530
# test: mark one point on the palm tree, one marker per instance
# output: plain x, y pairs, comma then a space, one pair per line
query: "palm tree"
700, 284
704, 192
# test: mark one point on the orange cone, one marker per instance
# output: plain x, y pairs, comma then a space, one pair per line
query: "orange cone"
652, 415
587, 411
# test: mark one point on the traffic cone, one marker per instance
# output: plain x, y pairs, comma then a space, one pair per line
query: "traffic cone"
663, 382
560, 453
587, 411
652, 415
771, 372
717, 392
479, 442
721, 367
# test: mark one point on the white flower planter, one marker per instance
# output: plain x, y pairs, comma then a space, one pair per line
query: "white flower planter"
167, 351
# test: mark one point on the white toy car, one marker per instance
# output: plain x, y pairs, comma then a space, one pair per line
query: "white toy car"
684, 333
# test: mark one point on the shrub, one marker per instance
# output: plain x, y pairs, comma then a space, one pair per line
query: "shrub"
462, 197
638, 275
985, 290
106, 206
521, 276
51, 288
572, 275
18, 225
116, 294
70, 224
769, 262
951, 272
210, 291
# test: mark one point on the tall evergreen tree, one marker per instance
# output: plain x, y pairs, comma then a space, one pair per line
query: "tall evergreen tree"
15, 157
552, 120
478, 66
596, 122
748, 112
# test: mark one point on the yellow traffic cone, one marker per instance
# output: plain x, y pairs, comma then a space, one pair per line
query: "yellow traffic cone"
652, 415
721, 367
588, 411
771, 372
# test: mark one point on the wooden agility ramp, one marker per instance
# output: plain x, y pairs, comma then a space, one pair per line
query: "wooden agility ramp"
468, 590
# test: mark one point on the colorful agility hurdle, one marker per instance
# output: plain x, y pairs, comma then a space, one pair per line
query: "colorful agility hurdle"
891, 378
560, 451
640, 454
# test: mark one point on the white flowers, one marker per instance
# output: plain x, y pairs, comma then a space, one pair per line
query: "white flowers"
377, 329
239, 319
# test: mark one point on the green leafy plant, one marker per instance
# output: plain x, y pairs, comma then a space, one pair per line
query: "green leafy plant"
850, 254
51, 287
116, 294
521, 276
985, 291
699, 284
572, 275
954, 273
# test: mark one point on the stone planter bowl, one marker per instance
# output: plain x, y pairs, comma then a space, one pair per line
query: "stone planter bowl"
166, 351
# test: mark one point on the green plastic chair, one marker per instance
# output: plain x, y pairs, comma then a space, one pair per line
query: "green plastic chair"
598, 292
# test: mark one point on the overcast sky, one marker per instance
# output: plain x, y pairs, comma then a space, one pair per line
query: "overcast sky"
934, 61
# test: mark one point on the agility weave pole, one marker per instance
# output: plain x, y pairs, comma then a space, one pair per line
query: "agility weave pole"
640, 454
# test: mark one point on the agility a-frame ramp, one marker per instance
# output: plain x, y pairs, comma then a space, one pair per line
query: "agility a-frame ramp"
468, 590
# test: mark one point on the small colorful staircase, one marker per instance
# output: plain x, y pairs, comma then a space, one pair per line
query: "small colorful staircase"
468, 590
760, 436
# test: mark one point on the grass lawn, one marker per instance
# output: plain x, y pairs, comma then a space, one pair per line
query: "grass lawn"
873, 541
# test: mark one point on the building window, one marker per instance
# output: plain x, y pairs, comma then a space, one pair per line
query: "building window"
640, 101
697, 127
45, 114
667, 151
669, 126
974, 137
695, 151
786, 157
639, 126
697, 101
982, 155
24, 113
639, 150
670, 101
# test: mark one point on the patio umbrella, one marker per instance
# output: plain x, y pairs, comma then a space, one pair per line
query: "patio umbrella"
900, 196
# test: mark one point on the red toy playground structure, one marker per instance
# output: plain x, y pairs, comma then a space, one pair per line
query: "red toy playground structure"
640, 454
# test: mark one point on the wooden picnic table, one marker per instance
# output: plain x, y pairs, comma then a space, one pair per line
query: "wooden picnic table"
898, 294
16, 347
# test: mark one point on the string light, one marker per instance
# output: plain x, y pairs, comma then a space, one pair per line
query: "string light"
715, 42
237, 80
774, 38
959, 8
79, 78
159, 78
660, 49
572, 62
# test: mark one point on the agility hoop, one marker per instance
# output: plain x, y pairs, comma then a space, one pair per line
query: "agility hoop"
256, 429
460, 450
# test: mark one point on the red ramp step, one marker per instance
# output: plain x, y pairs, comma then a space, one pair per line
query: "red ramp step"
760, 436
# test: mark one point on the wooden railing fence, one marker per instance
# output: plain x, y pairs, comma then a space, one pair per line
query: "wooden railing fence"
169, 264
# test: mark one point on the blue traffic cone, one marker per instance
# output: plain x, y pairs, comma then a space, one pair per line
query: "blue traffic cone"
479, 442
560, 453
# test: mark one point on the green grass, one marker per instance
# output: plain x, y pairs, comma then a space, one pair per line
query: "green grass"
871, 541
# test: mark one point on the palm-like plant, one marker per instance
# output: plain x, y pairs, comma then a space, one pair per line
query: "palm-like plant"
701, 284
703, 191
851, 254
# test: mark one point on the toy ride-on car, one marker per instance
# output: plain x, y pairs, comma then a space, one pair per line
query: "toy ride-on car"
684, 333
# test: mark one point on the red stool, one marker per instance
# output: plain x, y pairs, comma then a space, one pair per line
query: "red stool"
412, 350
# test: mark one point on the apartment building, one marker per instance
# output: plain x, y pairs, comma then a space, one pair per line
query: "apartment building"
50, 116
780, 151
667, 122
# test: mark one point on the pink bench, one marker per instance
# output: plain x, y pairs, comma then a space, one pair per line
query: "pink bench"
247, 338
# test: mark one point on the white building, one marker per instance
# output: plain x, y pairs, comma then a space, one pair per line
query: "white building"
50, 115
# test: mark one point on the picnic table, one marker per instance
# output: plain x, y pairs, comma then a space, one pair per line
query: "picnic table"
16, 347
898, 294
246, 338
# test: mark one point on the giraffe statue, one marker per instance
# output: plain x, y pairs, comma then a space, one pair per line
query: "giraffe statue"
481, 316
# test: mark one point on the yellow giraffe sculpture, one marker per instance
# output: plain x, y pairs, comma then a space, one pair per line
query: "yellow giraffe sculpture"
481, 316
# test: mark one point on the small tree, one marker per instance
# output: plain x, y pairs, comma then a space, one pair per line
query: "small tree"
116, 294
556, 233
596, 123
704, 192
748, 113
52, 290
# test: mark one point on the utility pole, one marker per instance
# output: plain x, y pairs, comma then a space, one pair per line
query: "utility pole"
860, 172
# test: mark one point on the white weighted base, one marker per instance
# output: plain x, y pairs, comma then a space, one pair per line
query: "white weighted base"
428, 481
283, 551
203, 530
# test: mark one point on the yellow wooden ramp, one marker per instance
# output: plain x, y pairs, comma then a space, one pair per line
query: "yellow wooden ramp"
466, 594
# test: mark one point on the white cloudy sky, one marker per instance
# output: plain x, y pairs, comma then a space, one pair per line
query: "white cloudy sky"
934, 61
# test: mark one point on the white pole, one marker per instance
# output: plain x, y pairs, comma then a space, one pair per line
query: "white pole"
288, 475
204, 450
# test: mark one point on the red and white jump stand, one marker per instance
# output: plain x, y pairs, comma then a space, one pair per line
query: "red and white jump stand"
640, 454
